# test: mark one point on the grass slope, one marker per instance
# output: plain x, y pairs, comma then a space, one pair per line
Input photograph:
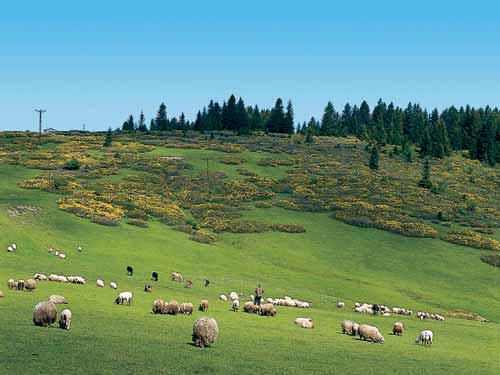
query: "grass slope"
330, 262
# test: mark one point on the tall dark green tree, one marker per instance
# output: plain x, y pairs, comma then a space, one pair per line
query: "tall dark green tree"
242, 120
256, 121
329, 121
161, 120
141, 124
288, 126
109, 138
277, 118
129, 124
230, 115
440, 144
486, 148
426, 182
374, 157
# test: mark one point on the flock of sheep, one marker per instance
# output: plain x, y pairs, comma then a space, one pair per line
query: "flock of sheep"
372, 333
205, 330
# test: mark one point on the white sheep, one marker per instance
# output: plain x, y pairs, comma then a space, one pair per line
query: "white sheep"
10, 249
113, 285
40, 277
340, 304
425, 338
65, 319
62, 256
223, 297
233, 296
14, 246
124, 297
236, 305
100, 283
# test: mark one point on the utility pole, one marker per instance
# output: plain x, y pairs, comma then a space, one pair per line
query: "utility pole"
40, 111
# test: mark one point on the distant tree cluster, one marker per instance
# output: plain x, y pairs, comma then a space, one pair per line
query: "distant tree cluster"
476, 130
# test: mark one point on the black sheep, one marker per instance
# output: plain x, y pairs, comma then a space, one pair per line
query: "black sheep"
130, 270
154, 276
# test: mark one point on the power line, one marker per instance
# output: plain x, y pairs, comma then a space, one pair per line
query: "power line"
40, 112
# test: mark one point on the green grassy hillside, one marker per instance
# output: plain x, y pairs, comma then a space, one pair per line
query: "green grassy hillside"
330, 261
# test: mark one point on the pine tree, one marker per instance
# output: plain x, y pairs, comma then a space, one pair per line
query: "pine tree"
109, 138
161, 121
329, 121
425, 144
230, 115
407, 152
256, 122
440, 144
141, 124
243, 123
277, 118
152, 125
129, 125
426, 182
288, 122
374, 157
485, 149
346, 120
182, 122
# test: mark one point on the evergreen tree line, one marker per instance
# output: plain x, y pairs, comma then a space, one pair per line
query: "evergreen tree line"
476, 130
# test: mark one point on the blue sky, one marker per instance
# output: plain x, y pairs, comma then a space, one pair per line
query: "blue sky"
98, 61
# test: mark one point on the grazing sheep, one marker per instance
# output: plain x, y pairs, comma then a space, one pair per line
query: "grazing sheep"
10, 249
425, 338
57, 299
61, 256
186, 308
100, 283
188, 284
79, 249
11, 284
130, 271
154, 276
30, 285
56, 253
251, 308
40, 277
44, 314
20, 285
235, 305
304, 322
124, 297
65, 319
172, 308
370, 333
148, 288
223, 297
398, 329
14, 246
204, 305
113, 285
233, 296
268, 309
251, 297
340, 304
176, 276
349, 327
386, 314
158, 306
205, 331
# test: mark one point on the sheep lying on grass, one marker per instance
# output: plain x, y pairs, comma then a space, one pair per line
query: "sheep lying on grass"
426, 315
205, 331
176, 276
223, 297
289, 302
100, 283
57, 299
44, 314
304, 322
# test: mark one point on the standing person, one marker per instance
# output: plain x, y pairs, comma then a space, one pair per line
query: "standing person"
206, 282
258, 294
376, 308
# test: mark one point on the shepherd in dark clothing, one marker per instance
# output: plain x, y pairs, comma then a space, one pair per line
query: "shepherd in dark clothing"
259, 292
206, 282
376, 309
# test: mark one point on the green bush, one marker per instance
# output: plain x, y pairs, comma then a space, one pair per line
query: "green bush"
72, 165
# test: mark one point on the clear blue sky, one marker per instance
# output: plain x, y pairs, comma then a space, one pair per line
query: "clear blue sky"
94, 62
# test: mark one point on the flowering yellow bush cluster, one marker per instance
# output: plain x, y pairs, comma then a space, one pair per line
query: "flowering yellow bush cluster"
471, 239
225, 147
85, 204
232, 160
241, 191
50, 182
270, 162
